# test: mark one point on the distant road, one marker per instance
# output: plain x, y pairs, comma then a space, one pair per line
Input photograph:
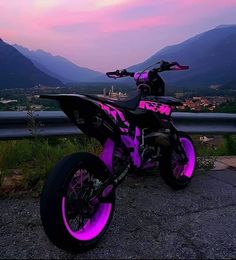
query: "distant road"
151, 221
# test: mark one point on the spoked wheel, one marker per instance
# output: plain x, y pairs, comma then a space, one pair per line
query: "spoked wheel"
83, 215
73, 216
174, 172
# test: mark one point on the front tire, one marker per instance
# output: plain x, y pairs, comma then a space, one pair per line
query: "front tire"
70, 219
178, 175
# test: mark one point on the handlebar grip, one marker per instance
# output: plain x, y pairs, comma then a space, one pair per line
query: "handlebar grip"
180, 67
113, 74
184, 67
109, 73
119, 74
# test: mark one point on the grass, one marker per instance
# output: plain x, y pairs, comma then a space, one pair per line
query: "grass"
220, 146
24, 164
207, 152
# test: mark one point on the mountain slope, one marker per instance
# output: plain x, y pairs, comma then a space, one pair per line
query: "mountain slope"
16, 71
58, 66
211, 56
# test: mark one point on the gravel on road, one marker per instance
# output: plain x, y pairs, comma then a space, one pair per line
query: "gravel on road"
150, 221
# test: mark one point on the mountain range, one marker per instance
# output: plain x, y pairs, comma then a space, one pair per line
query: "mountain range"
17, 71
58, 66
211, 56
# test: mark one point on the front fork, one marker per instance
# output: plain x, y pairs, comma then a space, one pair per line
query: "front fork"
175, 141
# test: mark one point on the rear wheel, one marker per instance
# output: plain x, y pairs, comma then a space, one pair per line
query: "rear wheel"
174, 172
73, 218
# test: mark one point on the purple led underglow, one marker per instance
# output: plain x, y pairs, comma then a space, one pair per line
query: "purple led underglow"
155, 107
93, 227
190, 152
107, 153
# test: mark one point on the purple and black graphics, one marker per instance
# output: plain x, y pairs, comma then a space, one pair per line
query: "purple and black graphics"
128, 140
163, 109
117, 115
133, 142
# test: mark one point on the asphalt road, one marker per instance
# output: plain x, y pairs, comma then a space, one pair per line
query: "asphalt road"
151, 221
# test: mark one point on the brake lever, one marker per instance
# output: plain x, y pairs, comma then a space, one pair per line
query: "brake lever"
113, 75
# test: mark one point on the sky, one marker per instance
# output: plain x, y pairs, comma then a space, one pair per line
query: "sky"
108, 34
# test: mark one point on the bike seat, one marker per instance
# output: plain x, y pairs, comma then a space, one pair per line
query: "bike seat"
171, 101
130, 104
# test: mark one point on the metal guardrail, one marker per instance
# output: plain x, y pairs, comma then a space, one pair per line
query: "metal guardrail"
14, 125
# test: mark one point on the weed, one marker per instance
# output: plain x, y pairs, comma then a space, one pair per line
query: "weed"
205, 163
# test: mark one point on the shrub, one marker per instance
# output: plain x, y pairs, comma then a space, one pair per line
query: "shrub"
230, 144
206, 163
33, 159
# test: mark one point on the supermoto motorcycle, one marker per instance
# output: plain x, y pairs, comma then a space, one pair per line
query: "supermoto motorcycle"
78, 198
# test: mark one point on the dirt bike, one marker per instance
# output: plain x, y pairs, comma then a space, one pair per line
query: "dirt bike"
78, 198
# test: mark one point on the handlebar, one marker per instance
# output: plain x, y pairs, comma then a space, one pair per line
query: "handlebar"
119, 74
164, 66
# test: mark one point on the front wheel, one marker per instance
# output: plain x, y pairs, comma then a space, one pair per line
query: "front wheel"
73, 218
174, 172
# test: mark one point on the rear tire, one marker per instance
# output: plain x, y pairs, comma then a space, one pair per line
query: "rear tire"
58, 203
173, 173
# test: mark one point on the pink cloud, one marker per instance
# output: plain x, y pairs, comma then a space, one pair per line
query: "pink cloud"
213, 3
106, 29
107, 18
122, 26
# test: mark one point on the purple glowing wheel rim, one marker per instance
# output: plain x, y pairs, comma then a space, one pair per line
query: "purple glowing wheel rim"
81, 184
93, 226
187, 169
75, 209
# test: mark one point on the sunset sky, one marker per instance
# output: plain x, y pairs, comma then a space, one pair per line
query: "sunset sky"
108, 34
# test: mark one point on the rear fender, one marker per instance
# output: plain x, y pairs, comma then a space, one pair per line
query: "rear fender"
88, 115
